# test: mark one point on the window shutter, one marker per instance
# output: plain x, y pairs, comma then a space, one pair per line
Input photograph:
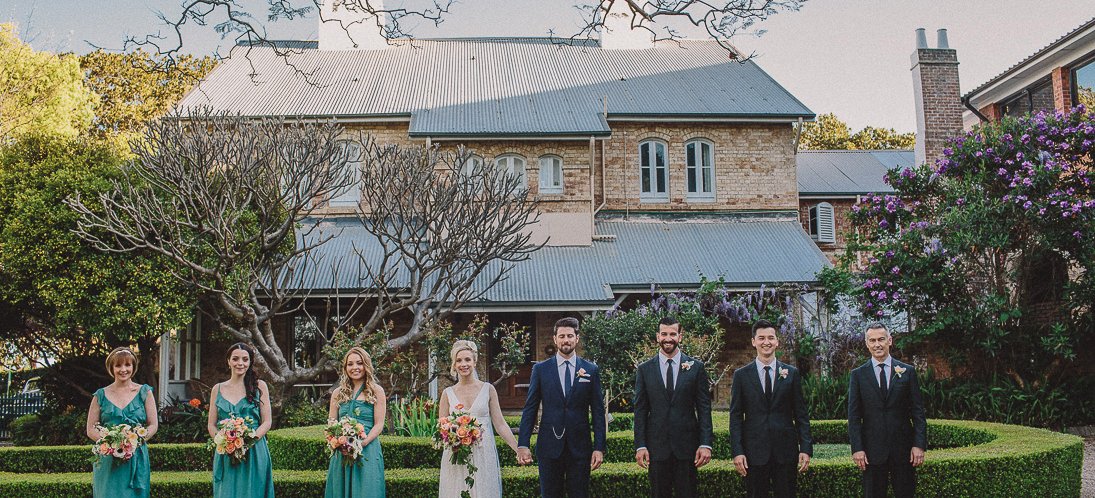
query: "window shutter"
826, 223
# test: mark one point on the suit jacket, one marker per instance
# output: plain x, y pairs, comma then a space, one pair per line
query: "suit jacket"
890, 426
765, 430
677, 426
565, 420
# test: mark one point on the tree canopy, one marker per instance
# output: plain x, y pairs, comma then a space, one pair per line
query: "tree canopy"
830, 133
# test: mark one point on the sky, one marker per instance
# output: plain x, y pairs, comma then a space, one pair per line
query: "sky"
848, 57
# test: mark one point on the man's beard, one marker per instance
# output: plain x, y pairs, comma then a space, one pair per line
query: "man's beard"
566, 349
663, 344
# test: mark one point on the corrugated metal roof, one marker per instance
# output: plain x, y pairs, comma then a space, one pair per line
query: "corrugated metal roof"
1015, 67
488, 86
745, 251
848, 172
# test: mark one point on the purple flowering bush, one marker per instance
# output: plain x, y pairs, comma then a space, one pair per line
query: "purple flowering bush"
990, 250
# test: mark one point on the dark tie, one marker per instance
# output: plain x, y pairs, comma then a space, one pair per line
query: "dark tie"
882, 380
669, 377
566, 379
768, 381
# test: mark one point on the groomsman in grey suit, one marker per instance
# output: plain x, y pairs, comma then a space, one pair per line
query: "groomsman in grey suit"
886, 422
673, 435
769, 423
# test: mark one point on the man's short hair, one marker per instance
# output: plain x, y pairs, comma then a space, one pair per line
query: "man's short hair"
566, 322
878, 325
670, 321
763, 324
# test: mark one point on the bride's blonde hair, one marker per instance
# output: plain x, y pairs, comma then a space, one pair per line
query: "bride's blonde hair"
346, 385
457, 347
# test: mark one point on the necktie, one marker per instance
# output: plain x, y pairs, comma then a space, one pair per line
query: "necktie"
882, 380
768, 381
669, 384
566, 379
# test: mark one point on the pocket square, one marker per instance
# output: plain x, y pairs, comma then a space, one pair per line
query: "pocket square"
583, 380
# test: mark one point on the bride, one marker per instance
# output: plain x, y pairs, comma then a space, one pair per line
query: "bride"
481, 400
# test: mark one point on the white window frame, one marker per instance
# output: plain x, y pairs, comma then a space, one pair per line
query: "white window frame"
696, 175
514, 164
822, 223
551, 174
352, 196
648, 165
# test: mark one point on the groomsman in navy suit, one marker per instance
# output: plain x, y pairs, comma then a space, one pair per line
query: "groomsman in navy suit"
673, 435
886, 423
569, 390
769, 424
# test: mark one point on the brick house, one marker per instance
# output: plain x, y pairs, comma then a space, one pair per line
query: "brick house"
1056, 78
654, 164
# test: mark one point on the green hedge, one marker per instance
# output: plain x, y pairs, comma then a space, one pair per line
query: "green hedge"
988, 460
51, 459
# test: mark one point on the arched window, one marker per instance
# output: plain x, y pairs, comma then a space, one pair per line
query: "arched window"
823, 223
700, 160
551, 174
513, 164
349, 196
471, 165
653, 171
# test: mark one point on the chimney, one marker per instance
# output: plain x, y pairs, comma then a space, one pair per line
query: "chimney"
345, 25
617, 33
938, 97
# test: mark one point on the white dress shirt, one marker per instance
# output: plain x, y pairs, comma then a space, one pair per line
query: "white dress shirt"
889, 371
663, 361
559, 360
771, 373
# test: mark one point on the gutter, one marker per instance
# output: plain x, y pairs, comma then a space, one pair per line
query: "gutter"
966, 102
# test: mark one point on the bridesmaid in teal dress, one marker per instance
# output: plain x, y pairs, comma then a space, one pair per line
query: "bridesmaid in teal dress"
360, 397
122, 402
253, 477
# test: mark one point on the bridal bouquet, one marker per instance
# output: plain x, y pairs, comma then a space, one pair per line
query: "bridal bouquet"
234, 437
118, 441
345, 436
459, 432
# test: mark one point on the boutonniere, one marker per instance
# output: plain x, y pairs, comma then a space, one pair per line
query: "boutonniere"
783, 372
688, 364
582, 373
898, 370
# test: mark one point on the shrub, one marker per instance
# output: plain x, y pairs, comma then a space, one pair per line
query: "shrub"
302, 409
50, 428
1005, 460
59, 459
183, 422
413, 416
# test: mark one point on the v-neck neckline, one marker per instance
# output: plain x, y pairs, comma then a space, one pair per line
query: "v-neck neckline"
229, 402
467, 407
115, 405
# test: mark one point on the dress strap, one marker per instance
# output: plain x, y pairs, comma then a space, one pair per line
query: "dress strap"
357, 392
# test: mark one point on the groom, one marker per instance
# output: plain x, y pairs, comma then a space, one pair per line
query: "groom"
673, 435
569, 390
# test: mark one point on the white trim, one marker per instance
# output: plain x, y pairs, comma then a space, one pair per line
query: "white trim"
1036, 69
699, 195
653, 196
553, 160
702, 119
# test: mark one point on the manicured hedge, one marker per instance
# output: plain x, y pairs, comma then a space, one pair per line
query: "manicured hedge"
49, 459
1003, 460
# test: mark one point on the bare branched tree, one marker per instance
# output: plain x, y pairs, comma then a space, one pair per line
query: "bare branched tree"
228, 201
449, 226
243, 24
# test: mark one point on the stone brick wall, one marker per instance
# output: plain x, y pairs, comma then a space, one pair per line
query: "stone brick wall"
1062, 88
938, 102
841, 209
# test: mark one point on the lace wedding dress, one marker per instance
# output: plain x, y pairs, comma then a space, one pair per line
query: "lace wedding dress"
488, 477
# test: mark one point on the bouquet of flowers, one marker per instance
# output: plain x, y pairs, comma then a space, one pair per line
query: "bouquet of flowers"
459, 432
234, 437
118, 441
345, 436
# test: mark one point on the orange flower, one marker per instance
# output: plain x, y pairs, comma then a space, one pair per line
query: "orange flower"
196, 403
463, 420
462, 432
466, 441
459, 406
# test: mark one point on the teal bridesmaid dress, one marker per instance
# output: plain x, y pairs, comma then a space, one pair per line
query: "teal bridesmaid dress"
254, 476
365, 477
113, 478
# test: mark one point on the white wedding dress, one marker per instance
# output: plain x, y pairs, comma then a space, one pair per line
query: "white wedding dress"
488, 476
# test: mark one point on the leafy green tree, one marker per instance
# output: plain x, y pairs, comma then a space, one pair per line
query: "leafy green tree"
830, 133
137, 86
61, 298
991, 251
40, 92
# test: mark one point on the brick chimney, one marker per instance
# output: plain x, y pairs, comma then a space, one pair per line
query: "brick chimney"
344, 25
938, 98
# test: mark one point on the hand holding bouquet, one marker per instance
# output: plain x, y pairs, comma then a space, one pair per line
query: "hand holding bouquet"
346, 436
118, 441
234, 437
459, 432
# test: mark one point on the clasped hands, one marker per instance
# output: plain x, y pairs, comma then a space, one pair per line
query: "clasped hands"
524, 457
916, 458
742, 464
703, 456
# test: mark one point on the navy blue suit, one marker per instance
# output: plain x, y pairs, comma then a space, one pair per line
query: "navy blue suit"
563, 447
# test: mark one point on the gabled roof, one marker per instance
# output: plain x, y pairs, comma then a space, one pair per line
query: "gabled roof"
746, 250
497, 86
847, 172
1055, 45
